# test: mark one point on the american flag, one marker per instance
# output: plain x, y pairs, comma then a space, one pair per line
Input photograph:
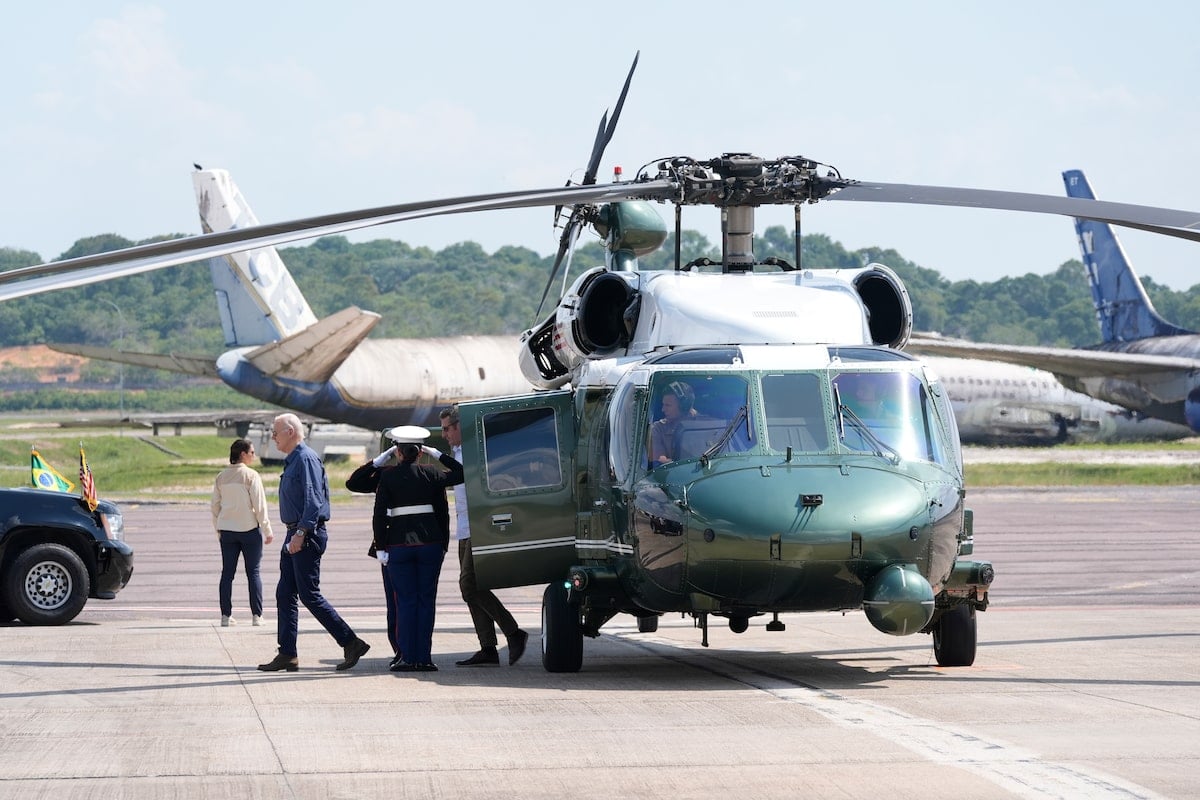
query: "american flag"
87, 481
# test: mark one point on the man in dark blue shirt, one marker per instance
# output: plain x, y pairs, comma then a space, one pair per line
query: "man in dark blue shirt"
304, 508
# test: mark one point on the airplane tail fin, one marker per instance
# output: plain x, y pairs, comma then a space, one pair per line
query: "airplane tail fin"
313, 354
1123, 309
258, 300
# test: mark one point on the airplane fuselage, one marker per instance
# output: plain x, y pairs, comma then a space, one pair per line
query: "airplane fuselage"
1170, 394
389, 382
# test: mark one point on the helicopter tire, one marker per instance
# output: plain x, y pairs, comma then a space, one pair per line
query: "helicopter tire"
954, 637
648, 624
562, 637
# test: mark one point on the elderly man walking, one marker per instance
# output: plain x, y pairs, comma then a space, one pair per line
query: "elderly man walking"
304, 509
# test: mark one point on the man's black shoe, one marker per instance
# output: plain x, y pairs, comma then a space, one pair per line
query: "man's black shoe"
516, 646
402, 666
426, 668
396, 659
487, 655
352, 653
279, 663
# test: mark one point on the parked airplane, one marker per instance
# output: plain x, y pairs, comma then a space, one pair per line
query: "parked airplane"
1005, 404
326, 368
282, 354
1144, 363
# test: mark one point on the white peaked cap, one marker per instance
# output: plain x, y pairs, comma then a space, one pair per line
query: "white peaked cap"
408, 434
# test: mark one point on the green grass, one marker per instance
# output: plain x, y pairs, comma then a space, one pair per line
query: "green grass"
132, 467
980, 476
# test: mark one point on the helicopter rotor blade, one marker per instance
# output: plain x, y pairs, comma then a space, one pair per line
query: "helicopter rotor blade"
605, 134
1170, 222
570, 234
83, 270
566, 243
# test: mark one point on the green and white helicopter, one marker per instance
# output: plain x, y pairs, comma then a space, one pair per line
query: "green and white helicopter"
734, 440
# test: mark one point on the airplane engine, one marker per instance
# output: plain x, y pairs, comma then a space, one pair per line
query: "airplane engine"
594, 320
898, 601
888, 306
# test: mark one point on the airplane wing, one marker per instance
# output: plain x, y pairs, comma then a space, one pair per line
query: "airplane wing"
205, 366
1059, 360
312, 355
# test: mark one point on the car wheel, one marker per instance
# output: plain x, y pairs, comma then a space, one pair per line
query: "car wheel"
6, 614
562, 637
47, 585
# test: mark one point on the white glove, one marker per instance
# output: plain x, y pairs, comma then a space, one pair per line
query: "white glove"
384, 457
382, 556
432, 452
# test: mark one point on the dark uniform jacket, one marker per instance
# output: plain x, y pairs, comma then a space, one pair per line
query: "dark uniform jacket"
410, 503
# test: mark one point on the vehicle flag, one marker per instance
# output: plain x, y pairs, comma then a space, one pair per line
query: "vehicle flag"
87, 481
45, 476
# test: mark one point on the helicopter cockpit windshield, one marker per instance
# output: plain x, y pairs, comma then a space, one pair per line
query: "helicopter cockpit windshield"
677, 416
691, 414
889, 412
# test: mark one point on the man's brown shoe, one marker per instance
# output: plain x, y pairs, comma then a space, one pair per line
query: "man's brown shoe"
352, 653
280, 663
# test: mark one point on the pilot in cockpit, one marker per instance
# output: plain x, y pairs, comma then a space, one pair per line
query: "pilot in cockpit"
678, 404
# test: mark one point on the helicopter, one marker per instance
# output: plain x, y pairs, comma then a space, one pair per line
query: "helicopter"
724, 440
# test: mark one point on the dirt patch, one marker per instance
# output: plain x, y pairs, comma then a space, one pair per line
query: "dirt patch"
50, 365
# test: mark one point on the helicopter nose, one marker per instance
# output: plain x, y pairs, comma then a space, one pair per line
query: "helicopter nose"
898, 600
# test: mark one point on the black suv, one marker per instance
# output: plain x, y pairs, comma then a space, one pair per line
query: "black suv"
55, 554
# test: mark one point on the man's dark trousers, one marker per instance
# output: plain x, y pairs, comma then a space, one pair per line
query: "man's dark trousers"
300, 577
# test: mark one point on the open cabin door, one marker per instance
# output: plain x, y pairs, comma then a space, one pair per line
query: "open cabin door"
518, 454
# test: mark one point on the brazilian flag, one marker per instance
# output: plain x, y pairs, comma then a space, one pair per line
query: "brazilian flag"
45, 476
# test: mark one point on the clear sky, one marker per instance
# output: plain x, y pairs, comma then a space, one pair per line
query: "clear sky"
322, 107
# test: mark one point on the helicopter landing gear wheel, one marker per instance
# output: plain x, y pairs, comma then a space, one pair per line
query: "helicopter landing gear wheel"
562, 637
954, 637
647, 624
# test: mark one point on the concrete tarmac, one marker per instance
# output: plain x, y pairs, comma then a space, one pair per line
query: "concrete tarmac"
1086, 684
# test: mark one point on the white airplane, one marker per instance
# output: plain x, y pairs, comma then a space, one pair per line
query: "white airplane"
1007, 404
282, 354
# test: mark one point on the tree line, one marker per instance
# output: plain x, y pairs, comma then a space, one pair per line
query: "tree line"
462, 289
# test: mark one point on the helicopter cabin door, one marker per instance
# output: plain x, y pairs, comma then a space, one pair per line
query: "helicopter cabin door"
518, 456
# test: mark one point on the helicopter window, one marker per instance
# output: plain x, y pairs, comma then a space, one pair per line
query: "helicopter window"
695, 412
622, 421
520, 449
795, 413
894, 407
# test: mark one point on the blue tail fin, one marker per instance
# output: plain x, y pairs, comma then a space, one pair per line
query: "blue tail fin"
1124, 311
